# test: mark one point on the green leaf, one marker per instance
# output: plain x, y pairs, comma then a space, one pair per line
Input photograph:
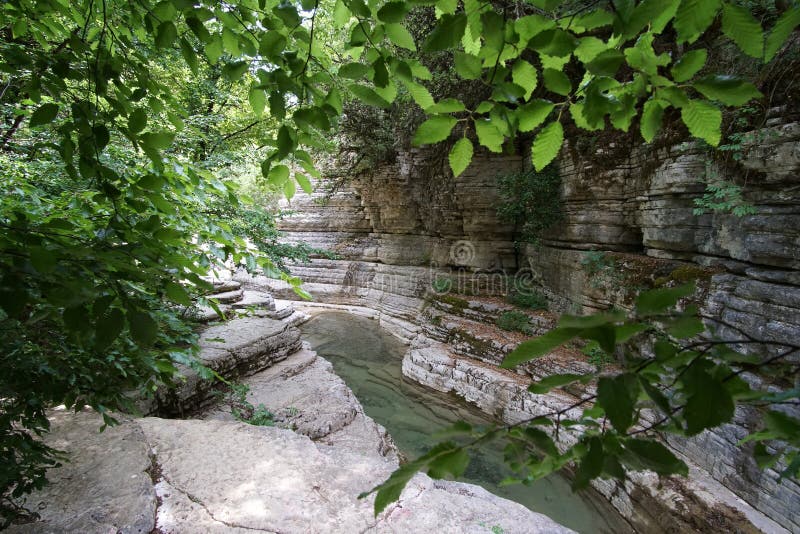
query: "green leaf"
704, 120
657, 301
278, 175
258, 100
533, 114
158, 140
729, 90
709, 403
177, 294
144, 328
166, 34
447, 33
285, 141
606, 63
617, 396
452, 463
783, 426
393, 12
547, 144
189, 55
137, 120
289, 189
420, 95
656, 396
468, 66
108, 328
685, 327
44, 114
591, 465
743, 29
305, 183
539, 346
781, 31
446, 105
434, 130
460, 156
341, 14
556, 43
368, 96
651, 119
553, 381
354, 71
645, 454
233, 71
689, 64
693, 18
524, 75
557, 82
400, 36
489, 135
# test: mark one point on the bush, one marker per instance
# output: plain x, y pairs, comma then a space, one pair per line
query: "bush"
597, 356
530, 299
514, 321
531, 201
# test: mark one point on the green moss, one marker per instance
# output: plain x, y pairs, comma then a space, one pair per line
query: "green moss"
452, 300
688, 273
514, 321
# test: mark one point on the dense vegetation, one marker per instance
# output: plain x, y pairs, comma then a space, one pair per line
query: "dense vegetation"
122, 122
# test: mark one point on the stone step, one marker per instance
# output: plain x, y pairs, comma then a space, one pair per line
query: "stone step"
226, 285
228, 297
236, 348
256, 299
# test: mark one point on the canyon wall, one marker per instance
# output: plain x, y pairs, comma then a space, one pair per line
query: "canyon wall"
406, 238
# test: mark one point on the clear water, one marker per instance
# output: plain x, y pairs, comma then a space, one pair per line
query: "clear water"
369, 360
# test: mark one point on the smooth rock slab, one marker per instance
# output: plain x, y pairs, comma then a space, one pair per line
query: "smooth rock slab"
221, 476
106, 485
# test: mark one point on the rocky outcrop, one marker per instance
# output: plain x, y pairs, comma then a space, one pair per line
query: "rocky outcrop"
218, 474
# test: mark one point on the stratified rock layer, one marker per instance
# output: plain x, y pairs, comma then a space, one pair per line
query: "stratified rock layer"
402, 228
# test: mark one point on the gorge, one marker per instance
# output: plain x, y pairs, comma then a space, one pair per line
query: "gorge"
396, 231
400, 266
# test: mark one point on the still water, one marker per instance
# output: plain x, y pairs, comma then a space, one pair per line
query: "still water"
369, 360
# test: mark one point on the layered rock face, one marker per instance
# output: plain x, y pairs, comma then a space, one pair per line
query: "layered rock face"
400, 231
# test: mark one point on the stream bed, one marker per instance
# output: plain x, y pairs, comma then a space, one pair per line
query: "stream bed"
369, 360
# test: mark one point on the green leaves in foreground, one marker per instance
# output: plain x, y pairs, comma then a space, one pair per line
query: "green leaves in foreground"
445, 459
460, 156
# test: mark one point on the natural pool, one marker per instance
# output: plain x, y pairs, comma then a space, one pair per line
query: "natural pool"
369, 360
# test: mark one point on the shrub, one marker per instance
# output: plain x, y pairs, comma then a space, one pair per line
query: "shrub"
597, 356
514, 321
531, 201
530, 299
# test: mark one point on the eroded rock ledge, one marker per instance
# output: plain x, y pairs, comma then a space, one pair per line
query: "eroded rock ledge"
215, 474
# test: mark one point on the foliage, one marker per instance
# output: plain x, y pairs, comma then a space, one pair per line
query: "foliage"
723, 196
531, 201
525, 297
514, 321
683, 386
597, 356
120, 117
243, 410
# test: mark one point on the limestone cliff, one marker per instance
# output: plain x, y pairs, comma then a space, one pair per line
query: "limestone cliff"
399, 229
